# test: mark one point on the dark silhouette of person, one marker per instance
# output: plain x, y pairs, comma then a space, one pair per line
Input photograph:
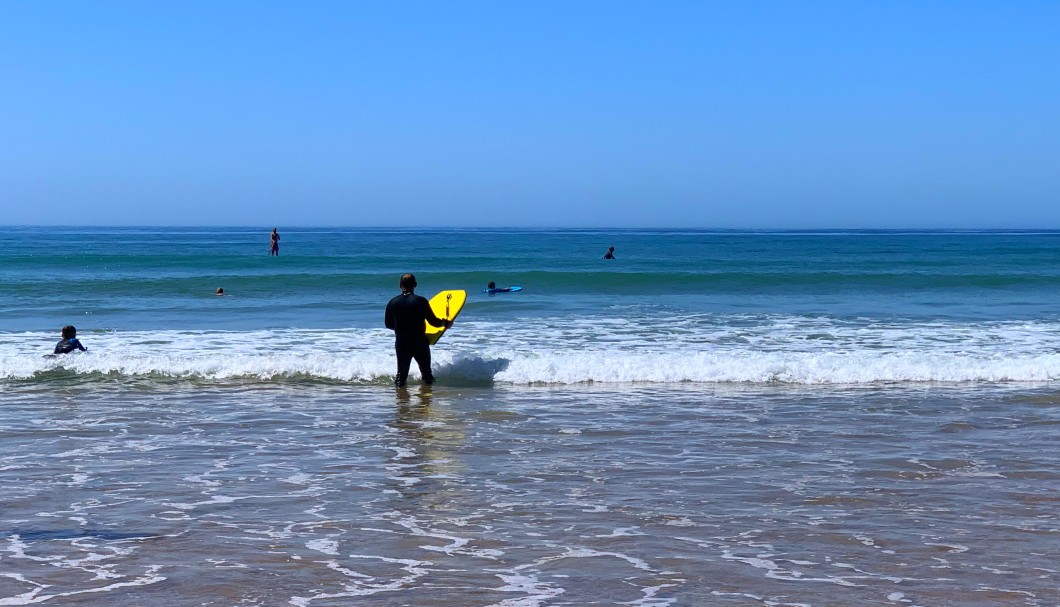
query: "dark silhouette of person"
69, 342
610, 254
406, 315
220, 291
491, 288
274, 238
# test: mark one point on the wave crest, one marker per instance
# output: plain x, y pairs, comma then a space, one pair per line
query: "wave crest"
763, 350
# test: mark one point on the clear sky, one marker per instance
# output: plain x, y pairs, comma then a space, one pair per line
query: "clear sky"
567, 113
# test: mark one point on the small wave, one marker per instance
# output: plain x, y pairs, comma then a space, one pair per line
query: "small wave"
685, 349
376, 367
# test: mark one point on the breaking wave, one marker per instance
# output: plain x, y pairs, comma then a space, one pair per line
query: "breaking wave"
688, 348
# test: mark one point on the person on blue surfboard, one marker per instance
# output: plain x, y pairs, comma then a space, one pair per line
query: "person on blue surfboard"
492, 288
405, 315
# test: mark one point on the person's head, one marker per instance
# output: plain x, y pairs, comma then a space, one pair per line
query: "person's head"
220, 291
274, 230
407, 282
69, 331
610, 249
491, 285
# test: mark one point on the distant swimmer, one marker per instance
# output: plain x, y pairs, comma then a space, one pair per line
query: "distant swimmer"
610, 254
69, 341
491, 288
406, 315
274, 238
220, 291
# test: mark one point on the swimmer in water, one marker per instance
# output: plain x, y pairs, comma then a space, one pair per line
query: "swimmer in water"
69, 341
491, 288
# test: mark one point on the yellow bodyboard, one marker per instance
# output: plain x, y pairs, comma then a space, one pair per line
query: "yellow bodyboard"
446, 305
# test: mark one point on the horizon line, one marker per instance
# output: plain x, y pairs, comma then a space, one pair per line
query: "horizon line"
428, 228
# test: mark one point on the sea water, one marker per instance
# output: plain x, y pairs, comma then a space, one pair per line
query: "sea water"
730, 418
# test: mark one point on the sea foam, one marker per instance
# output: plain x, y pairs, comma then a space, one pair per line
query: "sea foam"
699, 349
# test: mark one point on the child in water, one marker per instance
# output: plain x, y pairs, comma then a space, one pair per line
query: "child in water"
69, 341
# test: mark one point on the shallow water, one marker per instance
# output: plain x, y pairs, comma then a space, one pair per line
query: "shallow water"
127, 492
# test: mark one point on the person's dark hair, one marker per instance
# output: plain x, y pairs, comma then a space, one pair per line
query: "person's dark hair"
69, 331
408, 282
491, 285
220, 291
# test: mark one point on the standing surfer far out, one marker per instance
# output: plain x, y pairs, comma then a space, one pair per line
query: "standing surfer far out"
610, 254
406, 315
274, 238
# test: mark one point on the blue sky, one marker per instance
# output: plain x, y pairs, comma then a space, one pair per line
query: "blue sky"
624, 114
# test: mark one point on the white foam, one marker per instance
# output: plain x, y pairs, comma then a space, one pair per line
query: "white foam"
537, 592
324, 545
34, 596
300, 478
653, 349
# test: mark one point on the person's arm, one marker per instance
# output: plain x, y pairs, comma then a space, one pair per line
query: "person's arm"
388, 318
77, 343
433, 320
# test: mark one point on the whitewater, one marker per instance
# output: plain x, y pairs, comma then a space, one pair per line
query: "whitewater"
698, 349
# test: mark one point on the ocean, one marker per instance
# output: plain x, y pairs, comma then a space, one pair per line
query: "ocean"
711, 418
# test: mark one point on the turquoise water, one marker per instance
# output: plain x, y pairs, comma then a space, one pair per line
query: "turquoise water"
159, 278
712, 418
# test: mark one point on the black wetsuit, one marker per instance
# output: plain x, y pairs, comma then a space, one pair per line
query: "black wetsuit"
68, 345
405, 314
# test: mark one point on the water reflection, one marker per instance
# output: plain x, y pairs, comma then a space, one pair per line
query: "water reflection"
426, 461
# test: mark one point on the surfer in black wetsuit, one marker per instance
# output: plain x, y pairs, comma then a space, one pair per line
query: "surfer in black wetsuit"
69, 341
610, 254
405, 315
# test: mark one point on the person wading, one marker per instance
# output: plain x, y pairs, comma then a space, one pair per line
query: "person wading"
406, 315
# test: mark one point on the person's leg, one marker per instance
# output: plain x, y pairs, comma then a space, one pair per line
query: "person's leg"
404, 360
423, 359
